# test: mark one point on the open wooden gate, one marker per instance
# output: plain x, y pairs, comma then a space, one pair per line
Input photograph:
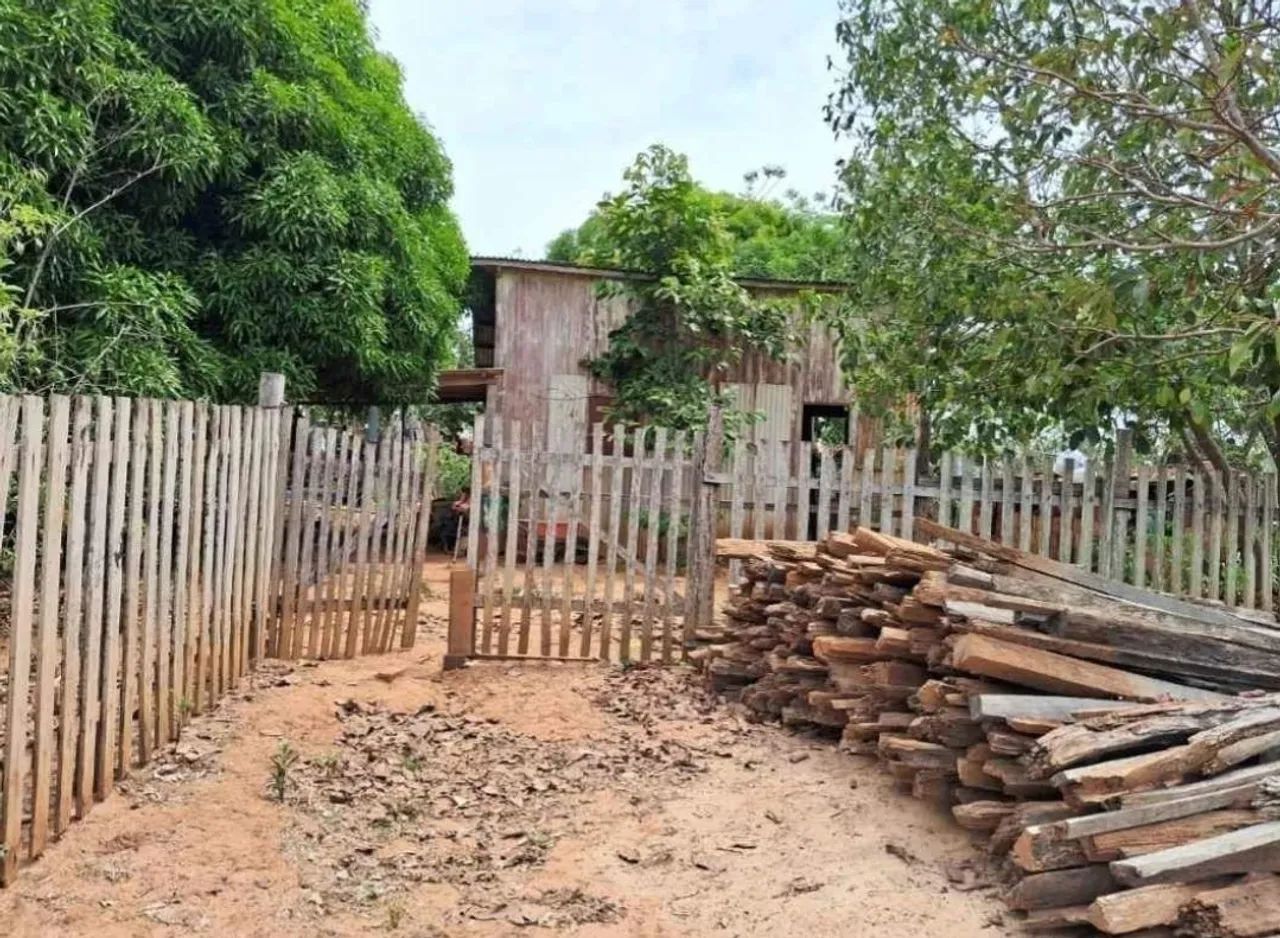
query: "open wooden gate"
351, 534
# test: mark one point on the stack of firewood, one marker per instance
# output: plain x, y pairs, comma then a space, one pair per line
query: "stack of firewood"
1110, 745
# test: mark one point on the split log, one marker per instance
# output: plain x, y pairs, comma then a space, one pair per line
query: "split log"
1254, 849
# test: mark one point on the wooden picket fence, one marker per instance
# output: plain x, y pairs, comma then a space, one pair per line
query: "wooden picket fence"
160, 549
579, 555
1184, 530
353, 525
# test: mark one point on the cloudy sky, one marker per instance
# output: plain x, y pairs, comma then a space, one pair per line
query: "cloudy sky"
542, 103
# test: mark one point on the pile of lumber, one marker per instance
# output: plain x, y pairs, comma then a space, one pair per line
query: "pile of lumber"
1109, 746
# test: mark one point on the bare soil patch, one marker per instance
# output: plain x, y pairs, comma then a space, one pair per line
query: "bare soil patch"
503, 799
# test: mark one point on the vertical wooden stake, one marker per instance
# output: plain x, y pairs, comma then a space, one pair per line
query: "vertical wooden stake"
462, 618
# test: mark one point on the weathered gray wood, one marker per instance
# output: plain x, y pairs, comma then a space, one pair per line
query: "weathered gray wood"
1253, 849
132, 586
1169, 810
782, 489
1046, 507
653, 513
595, 538
477, 486
1035, 706
946, 474
673, 544
1232, 593
613, 541
865, 495
573, 512
804, 492
515, 487
1120, 493
907, 529
1140, 523
965, 467
182, 640
702, 537
1179, 530
1217, 514
46, 645
1250, 543
1066, 526
22, 613
1107, 517
986, 500
108, 726
1088, 511
737, 497
487, 508
888, 478
1268, 521
1195, 581
826, 472
1008, 509
533, 511
639, 441
69, 708
844, 489
1024, 507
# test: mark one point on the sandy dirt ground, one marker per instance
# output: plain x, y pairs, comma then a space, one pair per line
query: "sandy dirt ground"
382, 796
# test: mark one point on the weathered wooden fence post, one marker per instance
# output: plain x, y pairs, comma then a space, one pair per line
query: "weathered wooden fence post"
462, 618
271, 487
700, 603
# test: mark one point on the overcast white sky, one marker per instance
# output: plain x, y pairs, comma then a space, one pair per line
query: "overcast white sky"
542, 103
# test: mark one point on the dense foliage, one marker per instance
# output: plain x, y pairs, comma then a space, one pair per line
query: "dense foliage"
1064, 216
786, 237
192, 192
691, 320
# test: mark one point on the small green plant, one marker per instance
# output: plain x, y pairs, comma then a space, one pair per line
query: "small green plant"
185, 706
328, 764
412, 763
282, 763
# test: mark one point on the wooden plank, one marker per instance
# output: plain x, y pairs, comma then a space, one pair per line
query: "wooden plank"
394, 492
964, 466
241, 582
1120, 524
346, 520
1179, 533
308, 571
261, 525
554, 469
888, 481
986, 500
1024, 506
132, 670
165, 703
222, 560
865, 496
1061, 674
573, 512
151, 581
46, 643
1067, 511
69, 708
673, 545
1232, 594
208, 570
613, 545
22, 608
1136, 909
1034, 706
462, 618
537, 464
1045, 548
491, 458
1268, 522
1088, 509
1253, 849
281, 452
1140, 523
1107, 519
515, 483
1008, 509
333, 507
1250, 542
737, 493
196, 450
946, 475
380, 550
782, 487
1172, 809
639, 440
291, 511
402, 518
91, 660
804, 493
826, 474
908, 526
1160, 554
1217, 512
182, 649
1195, 580
595, 539
108, 726
699, 611
477, 489
844, 489
651, 546
358, 619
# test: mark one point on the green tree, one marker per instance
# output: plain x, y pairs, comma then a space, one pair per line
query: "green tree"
195, 191
690, 320
1064, 215
786, 237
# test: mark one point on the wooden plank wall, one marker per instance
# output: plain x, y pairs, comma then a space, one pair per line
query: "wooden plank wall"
120, 626
619, 511
355, 513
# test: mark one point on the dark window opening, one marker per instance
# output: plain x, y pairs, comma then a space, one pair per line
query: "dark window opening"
825, 423
482, 302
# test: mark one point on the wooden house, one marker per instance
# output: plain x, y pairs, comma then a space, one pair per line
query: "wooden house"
537, 323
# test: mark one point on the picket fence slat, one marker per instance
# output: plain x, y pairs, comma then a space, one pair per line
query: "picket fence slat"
1195, 582
91, 673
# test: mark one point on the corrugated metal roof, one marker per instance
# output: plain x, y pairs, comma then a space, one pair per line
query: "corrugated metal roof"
582, 270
